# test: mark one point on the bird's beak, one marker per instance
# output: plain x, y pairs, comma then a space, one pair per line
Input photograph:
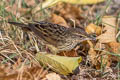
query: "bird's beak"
92, 38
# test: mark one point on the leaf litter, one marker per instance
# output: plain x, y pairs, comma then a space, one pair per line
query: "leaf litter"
101, 53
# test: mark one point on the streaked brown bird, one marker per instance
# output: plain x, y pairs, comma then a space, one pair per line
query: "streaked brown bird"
58, 38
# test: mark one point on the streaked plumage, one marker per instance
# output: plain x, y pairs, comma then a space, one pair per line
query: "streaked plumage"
57, 37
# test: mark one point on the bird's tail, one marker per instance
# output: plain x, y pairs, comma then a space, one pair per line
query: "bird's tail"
19, 24
22, 25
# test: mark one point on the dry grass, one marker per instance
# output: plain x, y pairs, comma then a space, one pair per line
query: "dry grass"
18, 48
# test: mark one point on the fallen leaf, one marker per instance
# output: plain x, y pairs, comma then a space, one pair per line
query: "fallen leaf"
70, 12
52, 76
115, 48
28, 73
58, 20
103, 60
49, 3
92, 53
71, 53
109, 38
109, 35
30, 2
61, 64
98, 58
83, 2
65, 10
99, 46
92, 28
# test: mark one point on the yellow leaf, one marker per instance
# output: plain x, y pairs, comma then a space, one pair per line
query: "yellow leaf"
61, 64
83, 1
49, 3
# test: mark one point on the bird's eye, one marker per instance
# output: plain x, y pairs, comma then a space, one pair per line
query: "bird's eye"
36, 25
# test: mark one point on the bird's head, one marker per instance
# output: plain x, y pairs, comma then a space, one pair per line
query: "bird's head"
81, 35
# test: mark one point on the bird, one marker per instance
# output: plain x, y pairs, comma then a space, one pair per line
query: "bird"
56, 37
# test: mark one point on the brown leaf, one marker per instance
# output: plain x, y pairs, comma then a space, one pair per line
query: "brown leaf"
109, 35
69, 12
98, 58
71, 53
115, 48
99, 46
52, 76
104, 60
58, 20
27, 73
92, 28
30, 2
92, 54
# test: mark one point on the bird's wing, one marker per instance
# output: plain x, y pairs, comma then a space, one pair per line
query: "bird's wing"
52, 33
